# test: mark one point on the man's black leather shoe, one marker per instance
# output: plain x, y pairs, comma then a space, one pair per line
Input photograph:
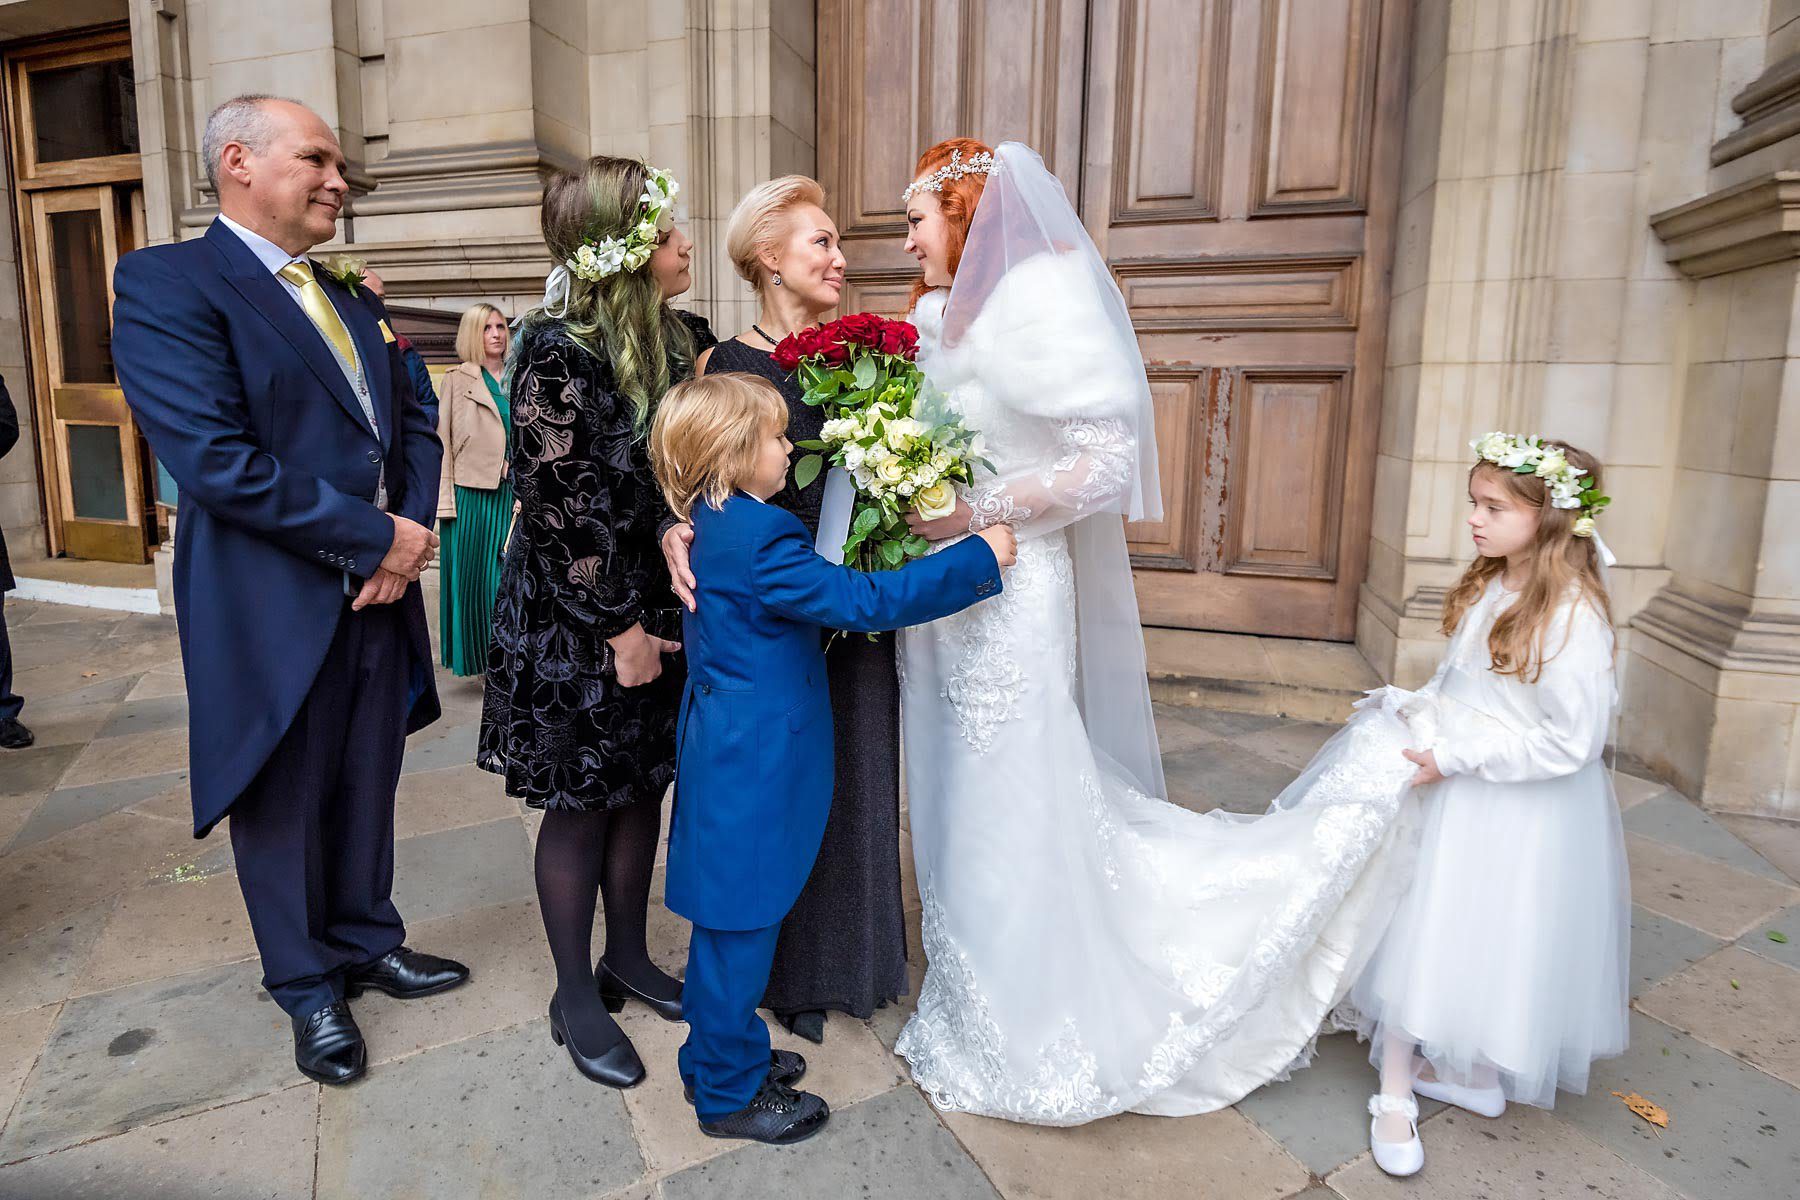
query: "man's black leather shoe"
406, 975
785, 1068
776, 1115
14, 736
328, 1047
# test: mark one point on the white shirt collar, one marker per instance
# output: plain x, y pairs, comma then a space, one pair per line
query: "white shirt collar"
271, 256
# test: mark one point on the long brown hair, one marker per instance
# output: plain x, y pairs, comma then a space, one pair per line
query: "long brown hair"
623, 318
1558, 560
957, 199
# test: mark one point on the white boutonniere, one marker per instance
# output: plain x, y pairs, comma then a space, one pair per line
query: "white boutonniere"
347, 269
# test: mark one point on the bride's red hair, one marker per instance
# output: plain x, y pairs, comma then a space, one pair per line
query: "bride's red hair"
957, 198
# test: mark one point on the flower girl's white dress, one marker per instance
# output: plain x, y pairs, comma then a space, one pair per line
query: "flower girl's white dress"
1511, 949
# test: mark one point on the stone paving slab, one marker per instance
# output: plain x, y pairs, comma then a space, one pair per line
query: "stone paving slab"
496, 1115
510, 983
1777, 841
154, 715
851, 1066
129, 756
43, 966
1734, 1132
453, 746
153, 685
1217, 1156
1232, 777
169, 929
35, 770
1524, 1154
1708, 895
1661, 946
1632, 791
22, 1037
124, 1058
449, 798
1787, 924
68, 807
455, 870
43, 883
72, 719
259, 1148
1737, 1002
1673, 821
1320, 1115
889, 1148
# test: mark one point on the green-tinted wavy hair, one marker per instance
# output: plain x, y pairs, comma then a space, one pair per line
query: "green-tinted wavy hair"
623, 318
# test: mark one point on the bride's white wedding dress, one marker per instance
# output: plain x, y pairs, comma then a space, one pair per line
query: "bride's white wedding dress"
1091, 948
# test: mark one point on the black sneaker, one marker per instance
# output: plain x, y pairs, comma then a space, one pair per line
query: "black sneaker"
14, 736
776, 1115
785, 1068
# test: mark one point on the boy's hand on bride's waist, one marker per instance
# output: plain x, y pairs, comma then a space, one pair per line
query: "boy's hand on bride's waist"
1003, 542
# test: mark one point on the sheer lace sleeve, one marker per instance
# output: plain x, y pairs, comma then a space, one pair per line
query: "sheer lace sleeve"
1089, 473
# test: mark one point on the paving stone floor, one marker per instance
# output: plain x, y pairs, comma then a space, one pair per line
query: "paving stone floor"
139, 1058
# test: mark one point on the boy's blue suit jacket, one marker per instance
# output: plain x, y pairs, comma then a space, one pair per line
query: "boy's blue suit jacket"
754, 774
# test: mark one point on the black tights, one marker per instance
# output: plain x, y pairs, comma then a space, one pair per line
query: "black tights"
582, 856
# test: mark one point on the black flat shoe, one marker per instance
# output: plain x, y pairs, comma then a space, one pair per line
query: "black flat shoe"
776, 1115
14, 736
808, 1023
406, 975
619, 1067
785, 1068
615, 991
328, 1047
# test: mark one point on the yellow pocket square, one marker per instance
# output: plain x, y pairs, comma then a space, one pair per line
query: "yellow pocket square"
387, 335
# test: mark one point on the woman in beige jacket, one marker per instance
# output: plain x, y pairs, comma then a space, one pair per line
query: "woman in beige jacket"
475, 499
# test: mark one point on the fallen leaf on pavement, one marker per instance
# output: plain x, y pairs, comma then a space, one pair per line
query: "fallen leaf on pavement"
1653, 1113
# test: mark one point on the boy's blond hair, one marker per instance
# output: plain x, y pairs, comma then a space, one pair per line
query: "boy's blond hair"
703, 441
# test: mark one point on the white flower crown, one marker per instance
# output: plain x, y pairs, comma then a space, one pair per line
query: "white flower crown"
595, 261
956, 168
1570, 487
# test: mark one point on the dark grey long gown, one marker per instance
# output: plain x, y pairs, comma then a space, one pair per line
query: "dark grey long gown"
843, 948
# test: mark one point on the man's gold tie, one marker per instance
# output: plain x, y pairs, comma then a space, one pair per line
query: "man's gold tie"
318, 307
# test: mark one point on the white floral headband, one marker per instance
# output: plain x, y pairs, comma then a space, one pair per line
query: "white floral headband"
956, 168
595, 261
1570, 487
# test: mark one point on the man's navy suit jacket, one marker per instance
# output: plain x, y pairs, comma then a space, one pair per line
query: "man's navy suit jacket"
245, 404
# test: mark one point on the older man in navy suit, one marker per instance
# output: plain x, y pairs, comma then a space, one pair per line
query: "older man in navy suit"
276, 397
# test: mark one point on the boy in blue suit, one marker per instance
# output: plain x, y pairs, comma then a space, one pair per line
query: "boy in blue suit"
754, 767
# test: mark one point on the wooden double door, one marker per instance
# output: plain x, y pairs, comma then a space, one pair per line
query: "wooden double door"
1236, 162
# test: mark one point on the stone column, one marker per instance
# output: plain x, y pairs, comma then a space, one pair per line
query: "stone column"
1715, 676
1529, 291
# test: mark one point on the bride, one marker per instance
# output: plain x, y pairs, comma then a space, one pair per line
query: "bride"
1093, 949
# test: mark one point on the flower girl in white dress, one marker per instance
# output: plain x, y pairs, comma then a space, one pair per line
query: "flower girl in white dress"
1504, 971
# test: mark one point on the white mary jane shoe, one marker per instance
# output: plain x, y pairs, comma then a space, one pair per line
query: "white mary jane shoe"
1483, 1102
1399, 1159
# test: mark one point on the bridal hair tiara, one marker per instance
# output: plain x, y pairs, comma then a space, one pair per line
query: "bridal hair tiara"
956, 168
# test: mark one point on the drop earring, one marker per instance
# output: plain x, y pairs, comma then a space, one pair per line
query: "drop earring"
777, 279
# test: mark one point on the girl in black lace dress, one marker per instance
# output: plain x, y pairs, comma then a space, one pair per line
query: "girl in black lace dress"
584, 677
843, 948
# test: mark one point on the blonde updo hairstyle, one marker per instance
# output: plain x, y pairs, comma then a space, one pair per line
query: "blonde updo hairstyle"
760, 220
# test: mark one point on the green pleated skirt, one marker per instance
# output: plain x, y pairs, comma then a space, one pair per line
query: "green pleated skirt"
470, 562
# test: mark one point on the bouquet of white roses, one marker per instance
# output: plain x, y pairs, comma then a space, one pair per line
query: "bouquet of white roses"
860, 370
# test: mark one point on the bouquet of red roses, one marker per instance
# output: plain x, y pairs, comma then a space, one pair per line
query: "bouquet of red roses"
860, 370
